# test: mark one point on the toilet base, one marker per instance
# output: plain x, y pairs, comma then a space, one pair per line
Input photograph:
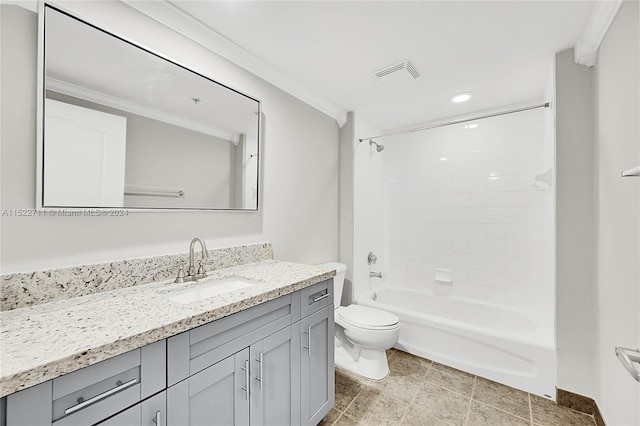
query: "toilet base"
371, 364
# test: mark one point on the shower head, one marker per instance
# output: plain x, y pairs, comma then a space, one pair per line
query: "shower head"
379, 147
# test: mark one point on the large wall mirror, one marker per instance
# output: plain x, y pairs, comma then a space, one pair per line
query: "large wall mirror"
123, 127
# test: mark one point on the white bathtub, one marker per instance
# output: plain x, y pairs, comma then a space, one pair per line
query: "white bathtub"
490, 341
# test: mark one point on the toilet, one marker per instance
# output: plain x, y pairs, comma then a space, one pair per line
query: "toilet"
363, 334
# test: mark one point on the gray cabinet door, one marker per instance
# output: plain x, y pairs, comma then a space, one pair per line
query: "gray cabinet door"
275, 378
150, 412
217, 395
317, 366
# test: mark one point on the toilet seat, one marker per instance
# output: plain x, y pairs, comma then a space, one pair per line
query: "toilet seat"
367, 318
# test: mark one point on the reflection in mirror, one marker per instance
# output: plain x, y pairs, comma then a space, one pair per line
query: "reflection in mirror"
124, 127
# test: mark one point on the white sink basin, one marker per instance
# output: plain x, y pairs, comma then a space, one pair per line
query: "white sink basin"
209, 289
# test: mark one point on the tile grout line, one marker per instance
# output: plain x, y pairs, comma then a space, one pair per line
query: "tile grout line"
473, 391
530, 408
414, 397
344, 413
337, 418
500, 409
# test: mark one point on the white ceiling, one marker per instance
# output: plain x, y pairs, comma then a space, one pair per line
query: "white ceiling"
501, 51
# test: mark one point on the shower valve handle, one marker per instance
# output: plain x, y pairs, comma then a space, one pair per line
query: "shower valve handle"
372, 258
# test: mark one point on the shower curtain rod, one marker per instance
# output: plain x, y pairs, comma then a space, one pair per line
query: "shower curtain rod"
464, 120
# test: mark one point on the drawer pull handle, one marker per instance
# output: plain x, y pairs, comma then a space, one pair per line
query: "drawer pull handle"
157, 419
319, 298
246, 379
308, 333
259, 359
82, 403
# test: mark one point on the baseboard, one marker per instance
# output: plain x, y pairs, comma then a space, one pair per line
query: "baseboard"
580, 403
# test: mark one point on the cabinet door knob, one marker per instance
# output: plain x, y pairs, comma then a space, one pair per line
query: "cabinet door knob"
157, 419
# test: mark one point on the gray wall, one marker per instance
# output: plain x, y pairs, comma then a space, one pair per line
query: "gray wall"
598, 219
347, 137
575, 308
164, 155
617, 214
299, 189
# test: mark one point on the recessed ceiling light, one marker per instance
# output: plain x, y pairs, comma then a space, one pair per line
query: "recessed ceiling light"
460, 97
470, 126
444, 159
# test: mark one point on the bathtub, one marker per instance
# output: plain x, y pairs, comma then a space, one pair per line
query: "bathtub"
491, 341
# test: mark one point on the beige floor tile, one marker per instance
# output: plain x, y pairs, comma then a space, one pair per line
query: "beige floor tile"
451, 379
346, 391
399, 386
353, 376
484, 415
345, 420
434, 402
330, 418
418, 392
372, 407
548, 413
503, 397
408, 365
416, 417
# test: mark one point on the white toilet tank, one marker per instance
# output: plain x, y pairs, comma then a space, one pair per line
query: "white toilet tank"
338, 280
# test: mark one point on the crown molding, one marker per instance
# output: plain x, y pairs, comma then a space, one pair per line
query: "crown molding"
70, 89
603, 14
171, 16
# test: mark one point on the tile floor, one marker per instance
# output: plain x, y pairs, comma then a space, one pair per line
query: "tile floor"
420, 392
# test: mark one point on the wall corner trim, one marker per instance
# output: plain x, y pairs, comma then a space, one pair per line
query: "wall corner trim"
166, 13
603, 14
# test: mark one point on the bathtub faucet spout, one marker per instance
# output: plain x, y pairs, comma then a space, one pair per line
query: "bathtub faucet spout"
375, 274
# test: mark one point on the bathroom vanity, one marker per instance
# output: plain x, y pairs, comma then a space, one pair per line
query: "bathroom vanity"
258, 355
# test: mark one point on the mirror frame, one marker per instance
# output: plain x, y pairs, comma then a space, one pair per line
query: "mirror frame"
40, 117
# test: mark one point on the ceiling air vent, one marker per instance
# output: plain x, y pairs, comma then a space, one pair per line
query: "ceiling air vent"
404, 70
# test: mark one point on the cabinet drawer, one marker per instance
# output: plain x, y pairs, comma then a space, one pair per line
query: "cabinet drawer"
316, 297
151, 412
89, 395
93, 393
197, 349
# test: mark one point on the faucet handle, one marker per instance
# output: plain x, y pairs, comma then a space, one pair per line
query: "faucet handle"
201, 271
181, 275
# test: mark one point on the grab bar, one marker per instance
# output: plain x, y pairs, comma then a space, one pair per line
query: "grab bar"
627, 357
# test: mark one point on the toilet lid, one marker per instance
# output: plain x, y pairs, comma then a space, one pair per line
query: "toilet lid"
366, 317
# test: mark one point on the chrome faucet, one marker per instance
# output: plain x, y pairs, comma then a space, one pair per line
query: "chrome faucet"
375, 274
201, 273
193, 274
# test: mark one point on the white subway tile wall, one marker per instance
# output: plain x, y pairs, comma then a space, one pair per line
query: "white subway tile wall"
464, 199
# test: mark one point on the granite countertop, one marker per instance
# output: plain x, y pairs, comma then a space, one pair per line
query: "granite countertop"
45, 341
